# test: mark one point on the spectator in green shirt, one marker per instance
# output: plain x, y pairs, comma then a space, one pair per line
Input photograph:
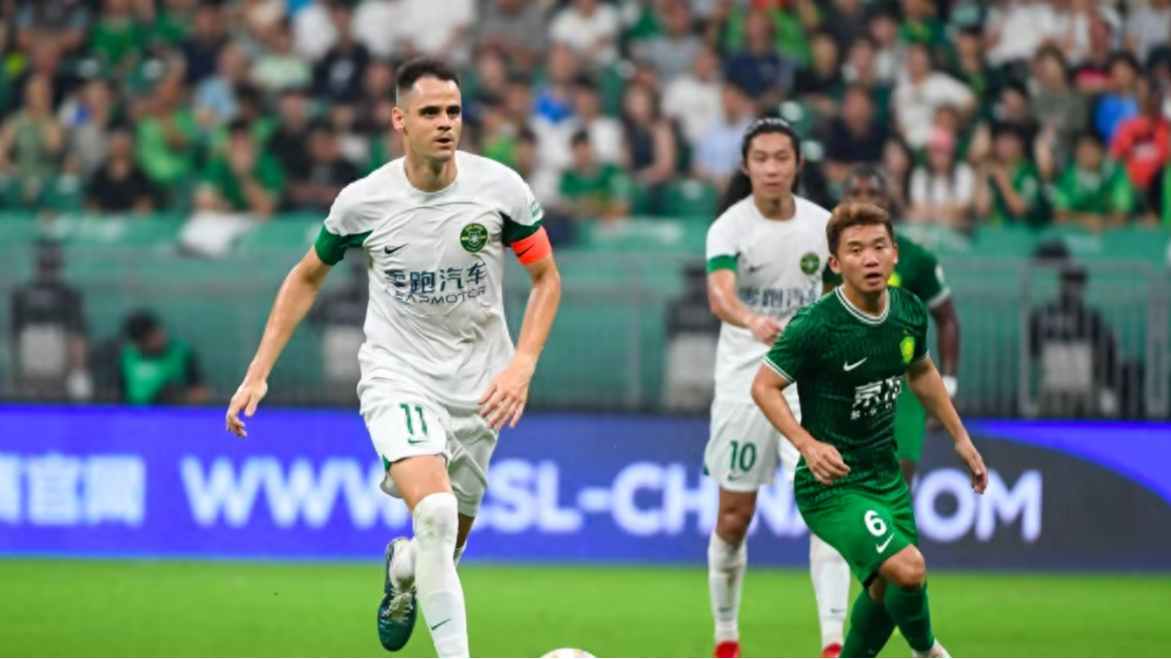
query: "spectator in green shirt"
1009, 187
117, 37
167, 134
591, 189
245, 179
1093, 191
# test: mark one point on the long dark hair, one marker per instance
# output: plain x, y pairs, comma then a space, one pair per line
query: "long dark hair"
740, 186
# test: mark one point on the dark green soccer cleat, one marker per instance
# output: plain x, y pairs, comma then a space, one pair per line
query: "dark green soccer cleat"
398, 610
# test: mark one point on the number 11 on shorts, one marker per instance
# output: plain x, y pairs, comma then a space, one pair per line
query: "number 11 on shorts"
410, 425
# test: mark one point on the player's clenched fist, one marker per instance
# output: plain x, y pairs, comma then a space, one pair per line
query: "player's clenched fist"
765, 328
975, 463
504, 401
824, 461
247, 397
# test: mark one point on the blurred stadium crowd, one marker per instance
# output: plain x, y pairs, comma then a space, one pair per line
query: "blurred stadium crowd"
1021, 114
1010, 111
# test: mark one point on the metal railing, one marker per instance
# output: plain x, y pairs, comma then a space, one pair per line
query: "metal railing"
610, 343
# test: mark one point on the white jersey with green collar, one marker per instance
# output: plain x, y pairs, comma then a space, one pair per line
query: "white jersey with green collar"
778, 266
435, 321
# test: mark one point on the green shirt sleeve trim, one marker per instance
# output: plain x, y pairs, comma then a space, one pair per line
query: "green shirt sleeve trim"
778, 370
940, 297
514, 231
331, 248
721, 263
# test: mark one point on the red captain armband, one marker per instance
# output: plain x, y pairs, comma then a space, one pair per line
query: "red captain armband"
534, 248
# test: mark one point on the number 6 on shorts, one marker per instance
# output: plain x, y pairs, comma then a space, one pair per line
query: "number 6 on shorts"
874, 523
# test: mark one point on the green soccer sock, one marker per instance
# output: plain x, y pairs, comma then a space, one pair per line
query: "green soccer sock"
910, 611
870, 628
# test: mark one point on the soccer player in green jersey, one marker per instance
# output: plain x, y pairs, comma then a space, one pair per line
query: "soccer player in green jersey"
918, 271
849, 353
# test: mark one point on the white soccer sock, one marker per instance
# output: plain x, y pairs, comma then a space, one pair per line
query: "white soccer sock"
439, 591
402, 568
831, 587
725, 565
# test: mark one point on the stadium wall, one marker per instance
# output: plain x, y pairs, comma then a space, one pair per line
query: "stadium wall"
169, 483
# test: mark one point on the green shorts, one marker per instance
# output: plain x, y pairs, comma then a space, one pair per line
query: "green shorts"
866, 528
910, 425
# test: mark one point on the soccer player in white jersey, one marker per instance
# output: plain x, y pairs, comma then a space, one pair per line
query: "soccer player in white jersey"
440, 376
765, 257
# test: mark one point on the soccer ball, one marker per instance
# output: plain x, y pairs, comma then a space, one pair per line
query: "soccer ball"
567, 652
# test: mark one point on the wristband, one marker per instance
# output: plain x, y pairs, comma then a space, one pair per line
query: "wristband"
949, 383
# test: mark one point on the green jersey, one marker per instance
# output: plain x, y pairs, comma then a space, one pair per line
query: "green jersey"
1107, 190
1026, 181
849, 369
917, 271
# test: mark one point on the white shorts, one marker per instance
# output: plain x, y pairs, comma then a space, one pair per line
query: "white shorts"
404, 425
744, 448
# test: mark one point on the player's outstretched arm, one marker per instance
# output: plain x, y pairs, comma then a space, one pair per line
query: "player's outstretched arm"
824, 461
927, 386
292, 303
504, 401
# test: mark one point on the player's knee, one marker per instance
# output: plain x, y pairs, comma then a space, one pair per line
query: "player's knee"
908, 570
732, 524
436, 519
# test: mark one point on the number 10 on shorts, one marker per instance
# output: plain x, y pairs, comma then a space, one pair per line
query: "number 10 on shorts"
743, 456
418, 410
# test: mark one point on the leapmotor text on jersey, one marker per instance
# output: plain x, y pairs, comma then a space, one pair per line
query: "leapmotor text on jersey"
440, 298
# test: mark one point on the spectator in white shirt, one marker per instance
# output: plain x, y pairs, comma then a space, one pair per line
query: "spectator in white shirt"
920, 91
1017, 28
605, 134
376, 26
942, 191
693, 99
428, 27
590, 28
1148, 28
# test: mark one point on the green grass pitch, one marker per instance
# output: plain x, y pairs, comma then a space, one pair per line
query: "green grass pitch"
83, 608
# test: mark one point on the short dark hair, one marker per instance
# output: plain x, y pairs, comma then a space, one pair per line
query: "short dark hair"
238, 126
580, 137
855, 214
141, 324
417, 68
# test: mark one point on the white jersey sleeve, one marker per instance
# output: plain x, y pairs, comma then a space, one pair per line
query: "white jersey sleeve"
522, 213
722, 243
348, 224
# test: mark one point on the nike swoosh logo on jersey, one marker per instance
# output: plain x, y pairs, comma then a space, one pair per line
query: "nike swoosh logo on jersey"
391, 250
413, 442
883, 546
849, 367
754, 268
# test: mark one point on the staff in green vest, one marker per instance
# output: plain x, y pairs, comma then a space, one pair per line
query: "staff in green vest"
919, 272
155, 369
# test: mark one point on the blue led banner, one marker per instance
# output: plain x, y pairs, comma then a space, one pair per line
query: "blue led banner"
303, 486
